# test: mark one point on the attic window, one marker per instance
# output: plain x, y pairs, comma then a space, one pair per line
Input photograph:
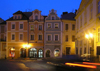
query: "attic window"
15, 17
53, 18
18, 17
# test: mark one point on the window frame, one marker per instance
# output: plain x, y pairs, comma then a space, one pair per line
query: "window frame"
22, 37
72, 27
32, 39
50, 24
14, 36
50, 38
38, 37
66, 38
54, 37
12, 26
66, 28
57, 24
20, 26
38, 27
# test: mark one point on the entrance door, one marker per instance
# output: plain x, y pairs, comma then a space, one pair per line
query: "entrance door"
67, 50
48, 53
23, 52
32, 53
40, 53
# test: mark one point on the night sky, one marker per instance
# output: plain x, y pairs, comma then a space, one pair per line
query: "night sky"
8, 7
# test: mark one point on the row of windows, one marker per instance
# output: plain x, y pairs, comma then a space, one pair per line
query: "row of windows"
21, 37
20, 27
57, 26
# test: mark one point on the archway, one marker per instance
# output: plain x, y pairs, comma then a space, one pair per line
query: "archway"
40, 53
57, 53
32, 53
23, 52
48, 53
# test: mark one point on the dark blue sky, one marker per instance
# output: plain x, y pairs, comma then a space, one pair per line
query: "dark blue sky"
8, 7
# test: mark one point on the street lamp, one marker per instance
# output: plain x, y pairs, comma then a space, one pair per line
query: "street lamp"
26, 46
90, 36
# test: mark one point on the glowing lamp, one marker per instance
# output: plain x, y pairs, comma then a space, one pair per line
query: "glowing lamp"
91, 35
87, 36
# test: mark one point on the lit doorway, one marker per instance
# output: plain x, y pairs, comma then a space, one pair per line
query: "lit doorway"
33, 53
40, 53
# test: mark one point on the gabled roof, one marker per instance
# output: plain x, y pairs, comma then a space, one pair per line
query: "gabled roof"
25, 16
68, 16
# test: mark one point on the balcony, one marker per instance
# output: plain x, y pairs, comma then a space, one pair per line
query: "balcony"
39, 20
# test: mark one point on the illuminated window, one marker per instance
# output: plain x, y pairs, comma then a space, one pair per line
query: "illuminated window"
32, 27
40, 53
56, 53
21, 36
49, 25
66, 27
56, 25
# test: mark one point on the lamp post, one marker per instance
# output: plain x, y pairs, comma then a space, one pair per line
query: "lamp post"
26, 46
90, 36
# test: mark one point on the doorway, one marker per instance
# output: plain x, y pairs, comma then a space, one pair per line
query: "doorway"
23, 52
48, 53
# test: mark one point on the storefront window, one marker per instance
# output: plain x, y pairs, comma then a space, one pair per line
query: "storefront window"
56, 53
12, 52
40, 53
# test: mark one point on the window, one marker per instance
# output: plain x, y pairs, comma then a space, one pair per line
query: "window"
56, 25
21, 36
73, 38
66, 27
32, 37
40, 27
13, 37
36, 17
49, 37
40, 37
15, 17
85, 17
32, 27
56, 37
76, 50
73, 27
13, 26
98, 34
21, 26
66, 38
49, 25
52, 18
99, 7
18, 17
56, 53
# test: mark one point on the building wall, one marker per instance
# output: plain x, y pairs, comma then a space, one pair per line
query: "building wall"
90, 26
70, 33
17, 43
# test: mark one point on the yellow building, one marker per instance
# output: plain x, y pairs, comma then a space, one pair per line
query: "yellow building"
3, 40
68, 37
88, 28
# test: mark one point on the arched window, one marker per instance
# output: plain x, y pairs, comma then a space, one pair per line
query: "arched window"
56, 53
48, 53
33, 52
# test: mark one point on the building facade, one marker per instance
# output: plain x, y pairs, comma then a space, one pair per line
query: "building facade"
88, 28
52, 35
68, 39
3, 40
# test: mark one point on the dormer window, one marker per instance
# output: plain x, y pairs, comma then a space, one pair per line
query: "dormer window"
18, 17
15, 17
53, 18
36, 17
